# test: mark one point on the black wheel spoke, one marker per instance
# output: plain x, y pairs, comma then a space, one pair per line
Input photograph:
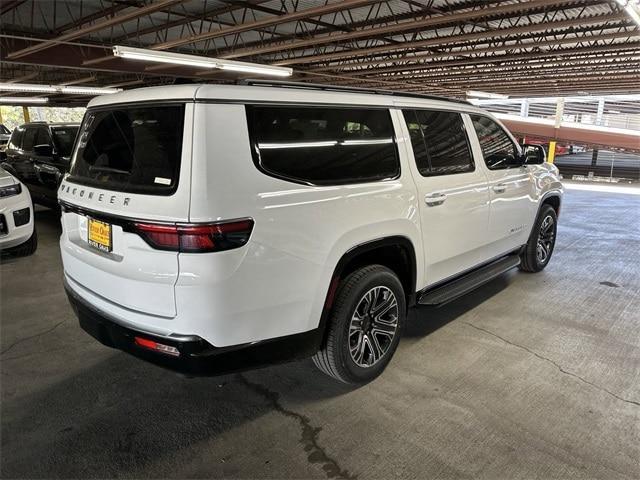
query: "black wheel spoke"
373, 326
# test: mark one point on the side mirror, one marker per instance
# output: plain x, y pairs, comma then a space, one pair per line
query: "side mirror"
43, 150
533, 154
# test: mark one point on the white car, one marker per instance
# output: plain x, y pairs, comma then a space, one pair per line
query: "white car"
5, 135
17, 232
212, 227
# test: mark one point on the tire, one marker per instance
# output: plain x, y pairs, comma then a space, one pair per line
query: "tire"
355, 326
28, 247
542, 240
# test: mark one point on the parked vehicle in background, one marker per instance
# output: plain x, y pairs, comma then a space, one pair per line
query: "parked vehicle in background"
38, 155
17, 232
206, 226
5, 134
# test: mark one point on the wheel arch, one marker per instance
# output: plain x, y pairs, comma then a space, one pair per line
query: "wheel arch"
554, 199
394, 252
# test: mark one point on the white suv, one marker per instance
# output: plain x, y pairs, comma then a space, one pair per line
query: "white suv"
211, 227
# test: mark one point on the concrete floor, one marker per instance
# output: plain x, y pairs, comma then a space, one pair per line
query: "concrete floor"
531, 376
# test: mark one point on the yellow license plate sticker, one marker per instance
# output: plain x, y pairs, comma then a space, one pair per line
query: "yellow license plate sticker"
100, 235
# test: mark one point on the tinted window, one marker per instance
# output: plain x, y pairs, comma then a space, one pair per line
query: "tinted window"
417, 142
16, 138
29, 139
130, 149
323, 146
445, 139
63, 138
497, 148
4, 130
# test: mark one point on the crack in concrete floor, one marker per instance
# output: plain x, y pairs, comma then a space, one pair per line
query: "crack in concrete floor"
558, 366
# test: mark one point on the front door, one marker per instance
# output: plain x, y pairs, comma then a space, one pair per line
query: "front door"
453, 193
511, 185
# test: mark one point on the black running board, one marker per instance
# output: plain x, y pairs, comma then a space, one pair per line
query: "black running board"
468, 282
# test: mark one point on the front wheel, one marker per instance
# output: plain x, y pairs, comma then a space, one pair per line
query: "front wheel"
366, 323
542, 240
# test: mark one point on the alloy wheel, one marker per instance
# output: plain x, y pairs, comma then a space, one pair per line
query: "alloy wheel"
373, 326
546, 239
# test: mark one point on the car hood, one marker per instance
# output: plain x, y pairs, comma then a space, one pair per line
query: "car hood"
6, 178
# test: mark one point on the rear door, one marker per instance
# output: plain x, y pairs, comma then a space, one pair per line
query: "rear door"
454, 201
132, 166
511, 185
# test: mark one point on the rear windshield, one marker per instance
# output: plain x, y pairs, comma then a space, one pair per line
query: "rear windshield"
134, 149
4, 129
63, 138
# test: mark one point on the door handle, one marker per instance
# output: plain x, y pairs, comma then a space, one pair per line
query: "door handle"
500, 188
435, 199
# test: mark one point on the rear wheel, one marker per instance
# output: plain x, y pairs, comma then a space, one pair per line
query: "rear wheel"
365, 326
540, 246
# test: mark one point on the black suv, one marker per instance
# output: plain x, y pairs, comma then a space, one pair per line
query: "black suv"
38, 154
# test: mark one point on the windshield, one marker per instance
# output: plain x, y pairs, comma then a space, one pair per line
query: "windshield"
63, 138
4, 130
133, 149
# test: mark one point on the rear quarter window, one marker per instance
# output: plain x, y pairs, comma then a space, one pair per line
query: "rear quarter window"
135, 149
323, 145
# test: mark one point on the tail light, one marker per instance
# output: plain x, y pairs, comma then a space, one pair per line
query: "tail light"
156, 347
197, 238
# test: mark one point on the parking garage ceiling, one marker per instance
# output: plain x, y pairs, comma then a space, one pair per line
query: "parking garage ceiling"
447, 47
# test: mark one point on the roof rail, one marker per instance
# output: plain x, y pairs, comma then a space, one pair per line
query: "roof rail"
338, 88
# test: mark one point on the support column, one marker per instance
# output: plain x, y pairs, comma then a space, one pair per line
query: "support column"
1, 115
552, 144
552, 151
25, 114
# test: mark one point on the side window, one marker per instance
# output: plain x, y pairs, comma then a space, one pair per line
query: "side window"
322, 145
445, 143
417, 142
498, 149
29, 139
15, 143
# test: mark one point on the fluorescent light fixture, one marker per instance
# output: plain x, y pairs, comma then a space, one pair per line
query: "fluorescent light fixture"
615, 112
75, 90
477, 93
68, 89
632, 7
162, 57
21, 100
27, 87
256, 68
197, 61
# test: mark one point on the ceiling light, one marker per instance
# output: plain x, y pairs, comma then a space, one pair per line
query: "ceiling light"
632, 7
477, 93
27, 87
197, 61
75, 90
163, 57
68, 89
21, 100
254, 68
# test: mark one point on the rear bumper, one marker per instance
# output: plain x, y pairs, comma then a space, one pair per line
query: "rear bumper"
197, 357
